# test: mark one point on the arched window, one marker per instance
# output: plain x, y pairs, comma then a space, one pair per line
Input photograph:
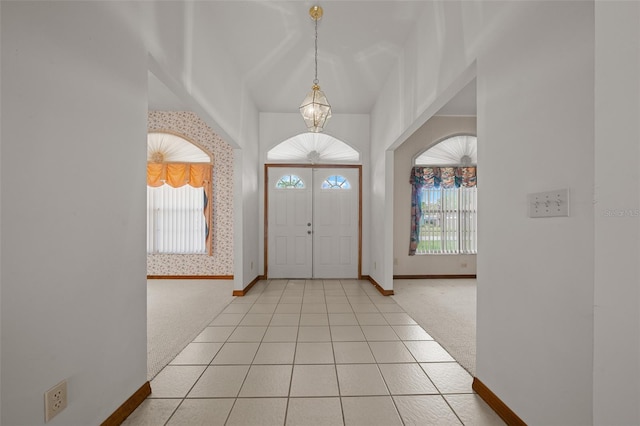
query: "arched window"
336, 182
290, 182
444, 198
461, 150
313, 148
178, 196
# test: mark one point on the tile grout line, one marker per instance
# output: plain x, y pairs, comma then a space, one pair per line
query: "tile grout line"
235, 400
295, 351
205, 369
335, 363
393, 401
355, 296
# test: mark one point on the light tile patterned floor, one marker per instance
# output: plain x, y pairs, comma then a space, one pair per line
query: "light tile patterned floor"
314, 352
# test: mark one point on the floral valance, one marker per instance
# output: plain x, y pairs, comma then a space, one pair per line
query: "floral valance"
178, 174
443, 177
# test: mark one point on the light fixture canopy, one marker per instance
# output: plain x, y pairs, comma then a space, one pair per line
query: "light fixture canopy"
315, 107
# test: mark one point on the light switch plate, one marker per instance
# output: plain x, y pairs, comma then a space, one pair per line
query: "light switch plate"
549, 204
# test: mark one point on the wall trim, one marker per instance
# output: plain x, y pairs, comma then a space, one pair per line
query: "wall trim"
189, 277
378, 286
129, 406
245, 290
496, 404
429, 277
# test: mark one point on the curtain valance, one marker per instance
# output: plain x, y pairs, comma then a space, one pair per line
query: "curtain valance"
443, 177
178, 174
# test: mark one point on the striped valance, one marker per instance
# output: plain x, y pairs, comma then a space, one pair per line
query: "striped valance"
178, 174
443, 177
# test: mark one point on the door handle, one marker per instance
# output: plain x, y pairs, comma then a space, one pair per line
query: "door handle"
309, 224
309, 232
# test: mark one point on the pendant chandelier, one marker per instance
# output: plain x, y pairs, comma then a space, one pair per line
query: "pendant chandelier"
315, 108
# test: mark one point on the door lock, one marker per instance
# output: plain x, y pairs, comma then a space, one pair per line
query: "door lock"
309, 224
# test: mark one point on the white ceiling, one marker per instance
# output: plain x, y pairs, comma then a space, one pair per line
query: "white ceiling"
271, 45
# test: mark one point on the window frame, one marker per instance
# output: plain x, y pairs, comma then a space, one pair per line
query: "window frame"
459, 213
171, 157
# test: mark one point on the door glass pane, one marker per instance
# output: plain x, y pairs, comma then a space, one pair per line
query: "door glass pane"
290, 182
336, 182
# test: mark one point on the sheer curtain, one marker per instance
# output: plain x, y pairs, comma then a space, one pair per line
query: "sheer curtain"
175, 220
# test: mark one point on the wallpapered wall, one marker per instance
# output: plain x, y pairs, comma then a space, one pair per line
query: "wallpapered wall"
190, 126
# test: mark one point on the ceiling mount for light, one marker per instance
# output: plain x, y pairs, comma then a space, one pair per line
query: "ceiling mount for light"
315, 108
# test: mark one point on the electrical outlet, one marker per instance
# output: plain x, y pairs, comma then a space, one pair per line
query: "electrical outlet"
374, 265
252, 266
395, 261
55, 400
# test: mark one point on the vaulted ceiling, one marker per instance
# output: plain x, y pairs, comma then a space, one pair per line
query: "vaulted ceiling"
271, 45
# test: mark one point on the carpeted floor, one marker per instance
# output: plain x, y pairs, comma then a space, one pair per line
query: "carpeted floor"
177, 311
446, 309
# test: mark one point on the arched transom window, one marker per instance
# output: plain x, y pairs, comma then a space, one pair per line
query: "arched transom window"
313, 148
461, 150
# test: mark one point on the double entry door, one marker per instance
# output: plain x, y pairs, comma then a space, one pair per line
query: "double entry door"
313, 224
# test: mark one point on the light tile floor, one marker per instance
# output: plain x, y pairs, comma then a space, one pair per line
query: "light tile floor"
313, 352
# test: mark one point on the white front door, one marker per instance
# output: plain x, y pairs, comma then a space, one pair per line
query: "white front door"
336, 217
289, 227
313, 222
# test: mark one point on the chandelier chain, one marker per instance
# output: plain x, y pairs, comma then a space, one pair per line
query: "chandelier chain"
315, 80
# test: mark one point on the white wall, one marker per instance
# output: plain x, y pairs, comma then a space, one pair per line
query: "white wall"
177, 36
535, 276
432, 132
534, 66
438, 52
196, 68
212, 80
252, 202
353, 129
74, 293
73, 231
616, 376
0, 231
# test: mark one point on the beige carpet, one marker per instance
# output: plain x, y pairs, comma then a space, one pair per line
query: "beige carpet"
446, 309
177, 311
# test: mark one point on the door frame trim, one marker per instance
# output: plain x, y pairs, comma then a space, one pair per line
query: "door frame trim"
267, 166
